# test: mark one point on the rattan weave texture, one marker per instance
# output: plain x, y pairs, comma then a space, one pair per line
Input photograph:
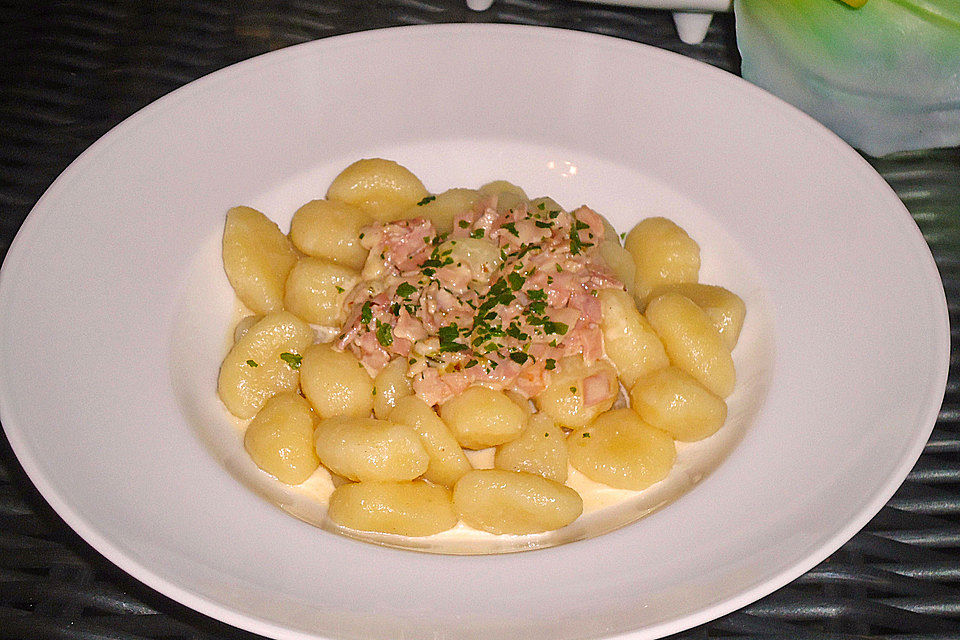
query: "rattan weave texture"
71, 70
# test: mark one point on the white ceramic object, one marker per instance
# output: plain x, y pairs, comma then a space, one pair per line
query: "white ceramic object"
102, 280
691, 17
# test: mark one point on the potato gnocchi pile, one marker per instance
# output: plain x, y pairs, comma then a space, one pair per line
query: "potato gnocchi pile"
392, 329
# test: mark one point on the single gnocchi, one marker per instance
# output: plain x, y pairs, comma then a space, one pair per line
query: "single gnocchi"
415, 508
671, 400
390, 385
481, 417
381, 188
541, 449
256, 258
448, 463
724, 308
316, 289
578, 392
622, 451
369, 449
443, 208
264, 362
663, 254
331, 230
629, 340
512, 502
692, 342
335, 382
280, 438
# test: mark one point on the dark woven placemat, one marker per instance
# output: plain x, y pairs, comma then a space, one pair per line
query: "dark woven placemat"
72, 70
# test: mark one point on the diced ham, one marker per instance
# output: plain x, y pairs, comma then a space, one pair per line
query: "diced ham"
596, 389
504, 323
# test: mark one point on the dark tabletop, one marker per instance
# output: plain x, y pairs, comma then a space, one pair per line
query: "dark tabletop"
72, 70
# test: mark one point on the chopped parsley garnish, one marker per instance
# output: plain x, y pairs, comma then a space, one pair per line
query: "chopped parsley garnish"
586, 434
405, 290
550, 365
252, 363
519, 357
516, 280
476, 233
292, 359
555, 327
366, 313
426, 200
573, 389
384, 334
537, 294
340, 289
512, 228
448, 338
464, 224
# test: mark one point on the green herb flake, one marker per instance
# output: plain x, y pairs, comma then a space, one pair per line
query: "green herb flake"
586, 435
405, 290
537, 294
550, 365
366, 313
464, 224
558, 328
448, 338
516, 280
251, 363
426, 200
519, 357
476, 233
340, 289
512, 228
292, 359
384, 334
573, 389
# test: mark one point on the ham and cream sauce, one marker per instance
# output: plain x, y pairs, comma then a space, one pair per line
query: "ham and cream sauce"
498, 301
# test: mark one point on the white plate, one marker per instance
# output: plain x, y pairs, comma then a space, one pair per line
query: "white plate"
848, 322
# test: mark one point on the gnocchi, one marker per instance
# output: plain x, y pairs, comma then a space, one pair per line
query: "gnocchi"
335, 382
370, 449
663, 254
264, 362
381, 188
481, 417
256, 258
692, 342
514, 502
331, 230
316, 288
280, 438
405, 342
447, 462
415, 508
621, 450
